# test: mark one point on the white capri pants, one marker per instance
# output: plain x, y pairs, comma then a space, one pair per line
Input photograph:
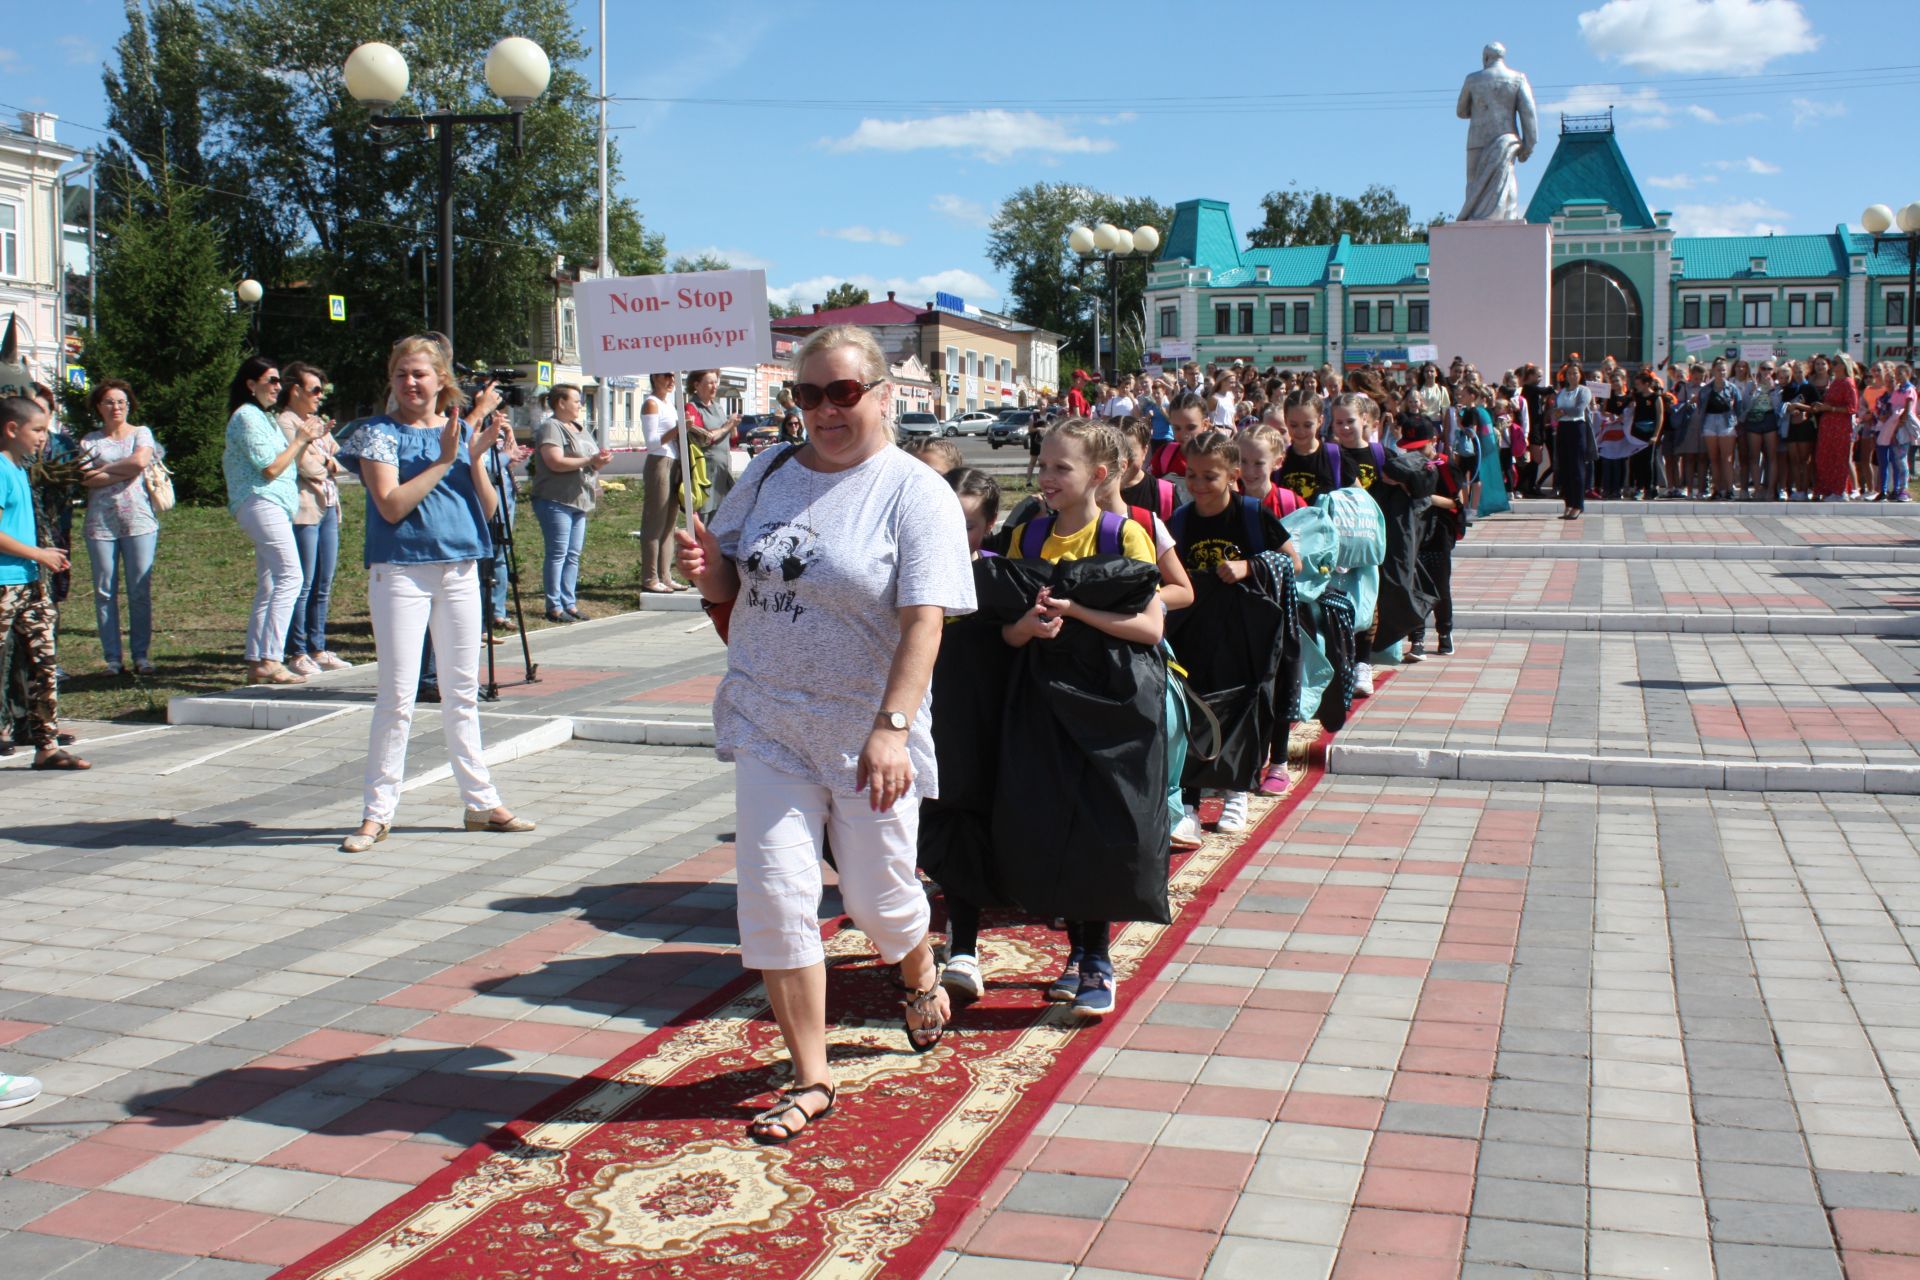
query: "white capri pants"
276, 577
407, 602
779, 820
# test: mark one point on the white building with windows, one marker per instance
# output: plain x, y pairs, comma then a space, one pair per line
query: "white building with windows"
32, 274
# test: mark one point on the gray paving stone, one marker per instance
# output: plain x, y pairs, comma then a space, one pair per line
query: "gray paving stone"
1533, 1095
115, 1262
1753, 1222
223, 1269
1177, 1014
1750, 1146
1533, 1162
1434, 1118
1505, 1124
1772, 1183
21, 1147
32, 1256
1524, 1200
1066, 1195
1893, 1192
1775, 1263
22, 1200
1527, 1244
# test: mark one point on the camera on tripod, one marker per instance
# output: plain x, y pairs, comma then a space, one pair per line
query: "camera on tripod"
505, 378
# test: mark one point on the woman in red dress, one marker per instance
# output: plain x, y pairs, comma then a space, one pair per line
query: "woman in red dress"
1833, 448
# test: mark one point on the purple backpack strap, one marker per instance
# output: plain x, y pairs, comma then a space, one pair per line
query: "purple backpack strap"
1112, 538
1033, 538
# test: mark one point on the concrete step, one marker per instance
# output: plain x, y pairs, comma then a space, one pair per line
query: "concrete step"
1778, 624
1736, 507
1619, 771
1484, 549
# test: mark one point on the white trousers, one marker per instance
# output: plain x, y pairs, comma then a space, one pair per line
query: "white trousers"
407, 601
276, 577
778, 824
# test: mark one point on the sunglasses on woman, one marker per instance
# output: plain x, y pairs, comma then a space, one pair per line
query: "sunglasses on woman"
844, 393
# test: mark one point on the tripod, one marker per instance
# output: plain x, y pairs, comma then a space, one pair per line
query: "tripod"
501, 530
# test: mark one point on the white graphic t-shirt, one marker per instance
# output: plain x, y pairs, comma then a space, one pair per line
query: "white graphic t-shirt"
825, 561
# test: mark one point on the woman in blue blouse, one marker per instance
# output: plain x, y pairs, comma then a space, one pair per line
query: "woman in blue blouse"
428, 503
263, 493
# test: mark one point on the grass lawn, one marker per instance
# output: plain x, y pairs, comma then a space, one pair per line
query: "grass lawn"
203, 595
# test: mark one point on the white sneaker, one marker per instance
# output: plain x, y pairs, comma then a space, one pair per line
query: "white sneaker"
1362, 680
1186, 832
18, 1091
302, 665
1233, 813
327, 660
962, 977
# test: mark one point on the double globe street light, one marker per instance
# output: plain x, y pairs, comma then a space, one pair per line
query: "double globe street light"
1112, 245
517, 72
1879, 221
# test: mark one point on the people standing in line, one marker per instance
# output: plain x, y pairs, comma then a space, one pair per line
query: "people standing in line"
565, 485
1758, 473
1719, 414
1896, 432
712, 434
840, 570
263, 494
659, 421
1830, 401
1572, 415
121, 527
316, 522
1647, 423
429, 498
1798, 393
26, 611
1537, 398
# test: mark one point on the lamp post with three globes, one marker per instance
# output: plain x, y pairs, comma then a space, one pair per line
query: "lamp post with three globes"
1113, 245
1879, 220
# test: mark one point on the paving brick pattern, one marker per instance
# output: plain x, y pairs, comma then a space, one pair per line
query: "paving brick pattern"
1687, 586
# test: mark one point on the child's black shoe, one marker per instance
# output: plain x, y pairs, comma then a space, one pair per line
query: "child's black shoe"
1066, 987
1446, 645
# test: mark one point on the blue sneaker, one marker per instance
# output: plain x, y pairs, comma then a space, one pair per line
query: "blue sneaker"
1067, 986
18, 1091
1097, 986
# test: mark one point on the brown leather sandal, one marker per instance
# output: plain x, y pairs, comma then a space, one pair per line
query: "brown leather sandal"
769, 1130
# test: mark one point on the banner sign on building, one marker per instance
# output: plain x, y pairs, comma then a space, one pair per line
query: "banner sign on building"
1172, 351
670, 323
1753, 352
1696, 342
1426, 354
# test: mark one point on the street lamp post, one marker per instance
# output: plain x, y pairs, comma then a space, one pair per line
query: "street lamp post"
250, 292
517, 71
1879, 220
1112, 245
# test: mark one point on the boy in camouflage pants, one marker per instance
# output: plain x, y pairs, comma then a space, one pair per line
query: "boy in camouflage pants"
26, 607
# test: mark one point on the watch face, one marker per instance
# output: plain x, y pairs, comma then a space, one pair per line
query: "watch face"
896, 719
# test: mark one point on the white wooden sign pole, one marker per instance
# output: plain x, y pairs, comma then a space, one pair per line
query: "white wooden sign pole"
686, 457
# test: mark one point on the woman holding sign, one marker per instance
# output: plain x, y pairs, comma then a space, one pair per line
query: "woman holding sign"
840, 559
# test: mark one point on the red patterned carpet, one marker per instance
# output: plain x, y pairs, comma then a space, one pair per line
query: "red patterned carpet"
643, 1169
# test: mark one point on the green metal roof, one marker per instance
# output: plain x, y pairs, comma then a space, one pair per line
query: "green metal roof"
1588, 166
1890, 259
1377, 264
1290, 268
1730, 257
1202, 233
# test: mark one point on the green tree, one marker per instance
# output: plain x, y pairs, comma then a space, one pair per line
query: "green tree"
154, 110
780, 311
169, 326
1049, 285
1376, 216
844, 295
705, 262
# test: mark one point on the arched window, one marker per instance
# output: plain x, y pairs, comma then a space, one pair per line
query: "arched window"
1596, 313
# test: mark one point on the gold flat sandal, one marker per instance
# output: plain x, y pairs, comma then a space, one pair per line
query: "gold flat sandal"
360, 842
485, 821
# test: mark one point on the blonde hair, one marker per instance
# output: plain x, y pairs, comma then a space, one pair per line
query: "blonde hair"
1262, 435
1358, 403
435, 350
1099, 442
873, 361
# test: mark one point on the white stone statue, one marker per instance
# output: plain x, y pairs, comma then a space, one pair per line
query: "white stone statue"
1503, 130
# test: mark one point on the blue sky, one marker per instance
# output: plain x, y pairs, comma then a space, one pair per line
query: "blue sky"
878, 147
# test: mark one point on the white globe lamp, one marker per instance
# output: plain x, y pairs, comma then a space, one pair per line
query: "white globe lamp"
1080, 240
1146, 239
1909, 218
249, 291
1122, 241
376, 75
1876, 219
518, 71
1106, 237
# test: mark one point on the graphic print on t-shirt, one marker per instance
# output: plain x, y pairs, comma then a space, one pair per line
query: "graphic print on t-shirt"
775, 562
1208, 554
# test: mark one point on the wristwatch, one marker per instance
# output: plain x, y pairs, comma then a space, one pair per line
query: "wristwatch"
895, 720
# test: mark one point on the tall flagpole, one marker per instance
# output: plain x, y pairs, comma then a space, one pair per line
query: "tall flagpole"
602, 397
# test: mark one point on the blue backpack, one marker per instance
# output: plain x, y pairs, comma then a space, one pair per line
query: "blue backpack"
1109, 541
1253, 540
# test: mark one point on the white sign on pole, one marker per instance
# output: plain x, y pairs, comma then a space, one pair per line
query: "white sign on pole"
1753, 352
631, 325
1171, 351
664, 324
1696, 342
1427, 354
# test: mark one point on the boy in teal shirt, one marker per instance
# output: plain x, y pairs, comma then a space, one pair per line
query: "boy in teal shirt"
26, 610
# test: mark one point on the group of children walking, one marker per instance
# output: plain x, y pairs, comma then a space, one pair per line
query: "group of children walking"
1205, 512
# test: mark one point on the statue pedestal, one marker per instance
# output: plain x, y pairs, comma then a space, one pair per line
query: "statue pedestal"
1489, 285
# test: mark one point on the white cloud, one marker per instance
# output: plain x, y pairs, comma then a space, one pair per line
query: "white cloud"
1752, 164
994, 135
864, 235
1807, 110
1738, 36
1638, 108
912, 291
80, 50
1678, 182
737, 259
960, 209
1732, 218
9, 59
1707, 115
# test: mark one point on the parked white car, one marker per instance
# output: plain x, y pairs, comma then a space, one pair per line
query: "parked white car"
974, 422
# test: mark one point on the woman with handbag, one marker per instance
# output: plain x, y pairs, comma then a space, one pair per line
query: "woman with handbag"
263, 494
122, 527
316, 525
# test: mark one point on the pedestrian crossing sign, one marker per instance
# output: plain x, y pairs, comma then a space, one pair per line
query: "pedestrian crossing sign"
543, 374
337, 306
76, 377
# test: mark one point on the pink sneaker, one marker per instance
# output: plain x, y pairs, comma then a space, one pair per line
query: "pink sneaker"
326, 661
1276, 781
302, 665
